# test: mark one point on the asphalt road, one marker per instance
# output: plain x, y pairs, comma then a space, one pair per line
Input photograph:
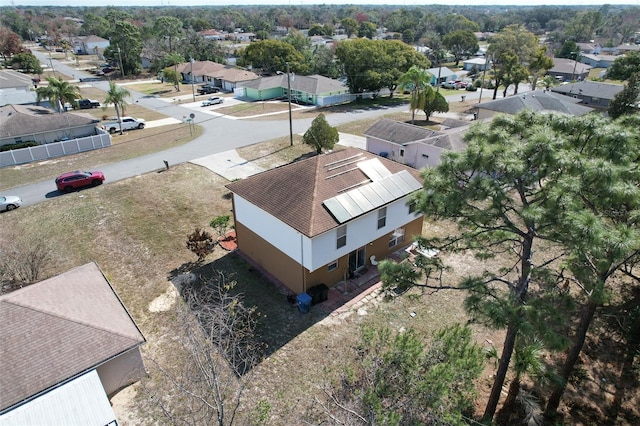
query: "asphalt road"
220, 134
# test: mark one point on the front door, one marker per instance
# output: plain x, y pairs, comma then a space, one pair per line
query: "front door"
357, 259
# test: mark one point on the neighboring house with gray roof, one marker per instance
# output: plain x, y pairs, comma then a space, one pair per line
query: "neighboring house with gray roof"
16, 88
440, 75
569, 70
305, 89
68, 343
537, 101
626, 48
598, 61
90, 45
411, 145
589, 48
319, 220
22, 123
480, 64
591, 93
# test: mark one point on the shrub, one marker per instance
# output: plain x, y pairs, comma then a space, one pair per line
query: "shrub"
200, 243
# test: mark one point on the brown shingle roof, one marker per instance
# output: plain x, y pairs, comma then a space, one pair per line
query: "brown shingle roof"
58, 328
295, 193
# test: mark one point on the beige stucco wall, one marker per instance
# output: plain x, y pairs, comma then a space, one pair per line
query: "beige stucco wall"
298, 279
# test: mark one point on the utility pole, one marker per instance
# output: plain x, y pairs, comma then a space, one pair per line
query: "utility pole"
192, 77
289, 97
120, 56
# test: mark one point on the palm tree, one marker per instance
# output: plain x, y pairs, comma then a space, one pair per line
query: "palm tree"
58, 92
416, 80
175, 59
528, 361
116, 96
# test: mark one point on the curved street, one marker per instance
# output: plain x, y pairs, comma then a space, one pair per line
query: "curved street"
220, 133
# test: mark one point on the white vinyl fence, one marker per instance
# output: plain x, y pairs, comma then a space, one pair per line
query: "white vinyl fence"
56, 149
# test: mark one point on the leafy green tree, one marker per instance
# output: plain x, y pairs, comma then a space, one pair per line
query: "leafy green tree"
27, 62
371, 65
168, 28
432, 101
220, 224
415, 80
270, 56
298, 40
201, 49
462, 43
397, 379
367, 29
126, 43
539, 66
95, 25
350, 26
316, 29
262, 35
58, 92
624, 66
584, 25
324, 63
509, 50
455, 22
568, 50
627, 101
117, 96
321, 135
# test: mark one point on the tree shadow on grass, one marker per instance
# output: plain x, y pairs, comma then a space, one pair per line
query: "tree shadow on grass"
280, 320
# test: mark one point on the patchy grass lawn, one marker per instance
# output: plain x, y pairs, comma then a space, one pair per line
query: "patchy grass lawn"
131, 144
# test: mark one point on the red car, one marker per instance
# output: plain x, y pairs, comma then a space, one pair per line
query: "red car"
73, 180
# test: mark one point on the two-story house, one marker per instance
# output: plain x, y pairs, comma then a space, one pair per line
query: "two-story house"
319, 220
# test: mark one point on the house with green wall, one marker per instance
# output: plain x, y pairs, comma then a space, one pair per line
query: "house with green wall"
305, 89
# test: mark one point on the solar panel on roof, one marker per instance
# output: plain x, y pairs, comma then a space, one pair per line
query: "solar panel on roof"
369, 197
336, 209
374, 198
362, 201
374, 169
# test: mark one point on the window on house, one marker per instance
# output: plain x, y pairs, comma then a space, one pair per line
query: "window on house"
413, 207
342, 236
332, 266
402, 153
397, 237
382, 217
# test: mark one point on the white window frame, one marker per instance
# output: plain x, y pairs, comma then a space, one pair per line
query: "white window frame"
341, 239
332, 266
396, 237
382, 217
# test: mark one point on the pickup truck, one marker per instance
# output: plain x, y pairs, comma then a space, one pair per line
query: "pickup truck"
128, 123
88, 103
207, 89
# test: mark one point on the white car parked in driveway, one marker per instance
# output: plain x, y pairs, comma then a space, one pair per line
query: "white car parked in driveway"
212, 101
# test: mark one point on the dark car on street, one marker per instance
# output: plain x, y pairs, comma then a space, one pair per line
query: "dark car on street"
88, 103
69, 181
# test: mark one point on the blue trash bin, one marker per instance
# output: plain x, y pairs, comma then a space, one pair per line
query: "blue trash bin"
304, 302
